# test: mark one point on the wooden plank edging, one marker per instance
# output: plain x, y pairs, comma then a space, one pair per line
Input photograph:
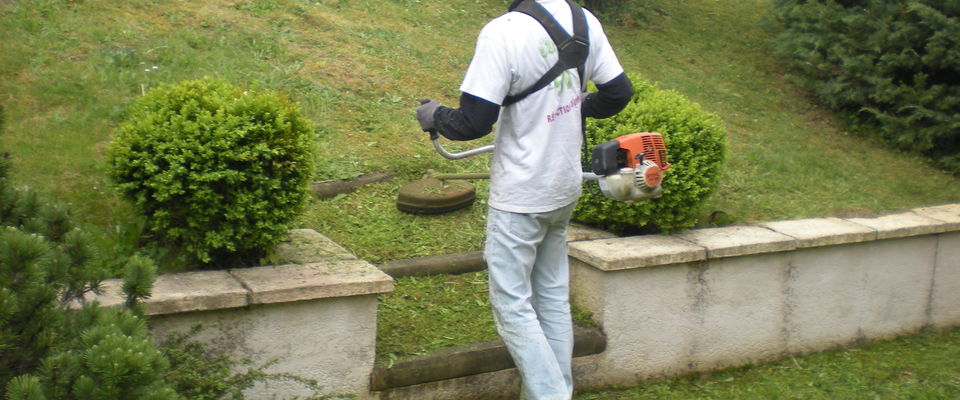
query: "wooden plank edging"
469, 360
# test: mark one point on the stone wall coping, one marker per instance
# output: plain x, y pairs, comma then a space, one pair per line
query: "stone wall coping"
326, 271
304, 246
818, 232
579, 232
636, 252
949, 214
611, 254
298, 282
181, 292
733, 241
320, 268
902, 225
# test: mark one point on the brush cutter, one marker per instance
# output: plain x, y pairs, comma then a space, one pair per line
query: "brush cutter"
628, 168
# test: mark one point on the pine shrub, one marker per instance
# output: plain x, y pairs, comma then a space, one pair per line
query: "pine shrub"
47, 263
27, 303
216, 170
892, 66
102, 354
696, 150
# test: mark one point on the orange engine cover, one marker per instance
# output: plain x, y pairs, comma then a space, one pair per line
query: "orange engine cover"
649, 144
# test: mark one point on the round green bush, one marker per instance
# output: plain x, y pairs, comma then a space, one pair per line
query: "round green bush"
216, 170
696, 149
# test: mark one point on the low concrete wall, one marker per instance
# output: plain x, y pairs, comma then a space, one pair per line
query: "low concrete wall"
668, 305
714, 298
315, 318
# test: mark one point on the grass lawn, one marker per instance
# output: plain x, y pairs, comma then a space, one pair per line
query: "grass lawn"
918, 367
359, 68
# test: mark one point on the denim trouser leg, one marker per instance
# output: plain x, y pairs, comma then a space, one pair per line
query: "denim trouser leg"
526, 255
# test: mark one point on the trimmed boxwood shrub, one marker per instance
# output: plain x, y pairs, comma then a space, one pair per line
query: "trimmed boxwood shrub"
696, 150
217, 171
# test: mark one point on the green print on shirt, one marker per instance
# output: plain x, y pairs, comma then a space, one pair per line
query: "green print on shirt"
547, 48
566, 79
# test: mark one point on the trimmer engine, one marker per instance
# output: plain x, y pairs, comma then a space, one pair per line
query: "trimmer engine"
630, 167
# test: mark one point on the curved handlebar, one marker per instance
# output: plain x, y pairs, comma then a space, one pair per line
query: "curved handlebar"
587, 176
463, 154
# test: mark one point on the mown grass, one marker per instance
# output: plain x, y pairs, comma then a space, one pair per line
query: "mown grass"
435, 312
68, 69
421, 310
918, 367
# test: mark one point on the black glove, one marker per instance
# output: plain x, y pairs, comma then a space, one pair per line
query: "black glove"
425, 115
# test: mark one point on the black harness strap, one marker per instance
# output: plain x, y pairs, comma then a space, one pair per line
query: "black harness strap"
572, 50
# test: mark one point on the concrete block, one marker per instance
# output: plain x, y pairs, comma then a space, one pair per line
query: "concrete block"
817, 232
646, 315
825, 297
738, 309
945, 299
636, 252
902, 225
297, 282
897, 284
330, 340
587, 285
735, 241
317, 320
948, 213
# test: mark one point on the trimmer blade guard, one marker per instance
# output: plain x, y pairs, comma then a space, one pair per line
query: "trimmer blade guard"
435, 196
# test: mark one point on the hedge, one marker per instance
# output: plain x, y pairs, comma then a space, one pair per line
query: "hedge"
696, 150
892, 66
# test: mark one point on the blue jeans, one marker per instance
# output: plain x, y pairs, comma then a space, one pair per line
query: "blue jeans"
526, 256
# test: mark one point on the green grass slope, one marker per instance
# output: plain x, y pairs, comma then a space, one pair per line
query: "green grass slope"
68, 69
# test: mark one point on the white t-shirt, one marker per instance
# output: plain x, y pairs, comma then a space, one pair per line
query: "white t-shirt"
536, 162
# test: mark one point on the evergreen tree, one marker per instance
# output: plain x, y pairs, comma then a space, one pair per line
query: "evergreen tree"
48, 352
891, 65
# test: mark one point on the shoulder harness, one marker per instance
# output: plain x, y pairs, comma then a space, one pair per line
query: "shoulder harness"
573, 50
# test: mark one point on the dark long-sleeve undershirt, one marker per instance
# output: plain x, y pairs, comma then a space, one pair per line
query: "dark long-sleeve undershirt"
609, 99
473, 120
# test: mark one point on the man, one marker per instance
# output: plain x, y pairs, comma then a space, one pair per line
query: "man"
536, 175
